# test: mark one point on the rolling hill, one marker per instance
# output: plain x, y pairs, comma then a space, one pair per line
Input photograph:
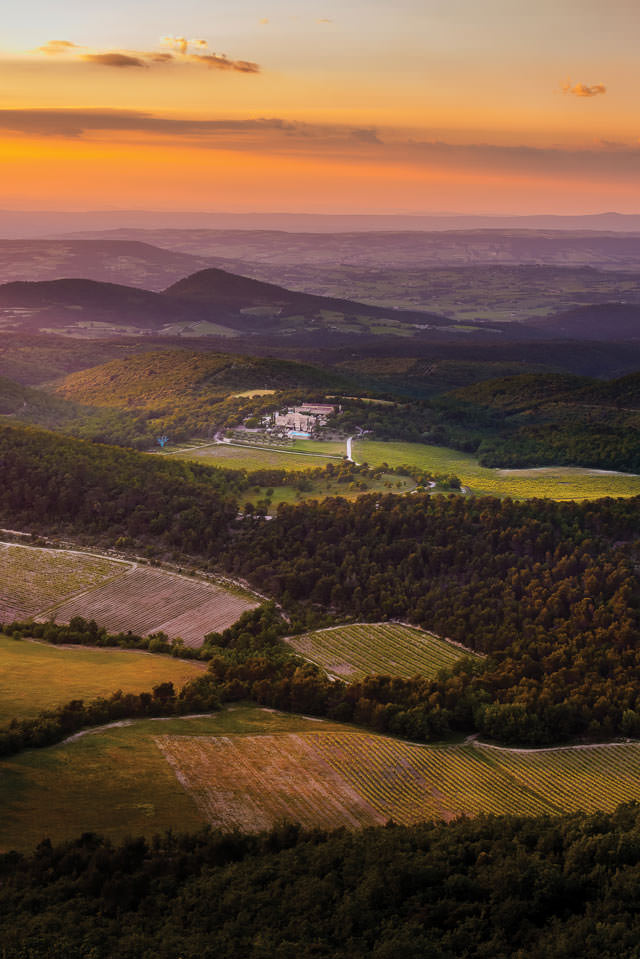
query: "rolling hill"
221, 303
601, 321
128, 262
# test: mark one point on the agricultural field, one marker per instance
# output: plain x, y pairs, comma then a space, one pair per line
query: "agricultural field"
36, 676
61, 584
559, 483
256, 458
115, 781
352, 652
250, 767
148, 601
32, 580
256, 781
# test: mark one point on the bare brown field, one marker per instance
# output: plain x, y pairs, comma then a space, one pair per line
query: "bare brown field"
150, 600
32, 579
252, 782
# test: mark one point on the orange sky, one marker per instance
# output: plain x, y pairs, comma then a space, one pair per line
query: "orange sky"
424, 107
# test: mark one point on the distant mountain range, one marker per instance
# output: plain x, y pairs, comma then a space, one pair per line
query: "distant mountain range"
47, 223
602, 321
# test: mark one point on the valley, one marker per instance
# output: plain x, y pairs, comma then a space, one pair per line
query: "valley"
291, 563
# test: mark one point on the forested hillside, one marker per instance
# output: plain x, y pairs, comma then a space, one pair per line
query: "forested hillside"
549, 419
547, 590
102, 492
562, 888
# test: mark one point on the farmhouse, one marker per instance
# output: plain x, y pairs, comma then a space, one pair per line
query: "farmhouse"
303, 419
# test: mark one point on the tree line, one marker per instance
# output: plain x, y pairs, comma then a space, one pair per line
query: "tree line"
499, 887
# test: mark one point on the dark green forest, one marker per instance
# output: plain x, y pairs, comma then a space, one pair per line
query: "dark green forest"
488, 888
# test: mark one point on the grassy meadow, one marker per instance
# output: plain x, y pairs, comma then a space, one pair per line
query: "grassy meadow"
559, 483
35, 676
116, 781
553, 482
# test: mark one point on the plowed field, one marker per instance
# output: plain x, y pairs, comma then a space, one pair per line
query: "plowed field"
255, 781
151, 600
33, 579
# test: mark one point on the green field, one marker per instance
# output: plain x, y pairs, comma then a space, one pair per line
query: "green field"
35, 676
244, 764
248, 458
352, 652
560, 483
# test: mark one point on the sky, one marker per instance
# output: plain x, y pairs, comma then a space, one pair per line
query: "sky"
415, 106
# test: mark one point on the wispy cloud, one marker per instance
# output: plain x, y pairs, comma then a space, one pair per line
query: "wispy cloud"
583, 89
54, 47
601, 161
175, 50
114, 59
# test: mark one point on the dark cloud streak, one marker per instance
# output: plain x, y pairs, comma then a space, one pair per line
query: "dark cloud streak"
288, 137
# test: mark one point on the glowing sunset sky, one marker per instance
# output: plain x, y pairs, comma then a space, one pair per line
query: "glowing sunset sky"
416, 106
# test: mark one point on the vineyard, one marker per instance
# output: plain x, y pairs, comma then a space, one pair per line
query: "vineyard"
337, 778
150, 600
32, 580
352, 652
256, 781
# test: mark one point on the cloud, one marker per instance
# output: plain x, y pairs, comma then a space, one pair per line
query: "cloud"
193, 51
58, 46
113, 59
219, 61
583, 89
180, 50
276, 135
366, 135
180, 44
324, 20
76, 123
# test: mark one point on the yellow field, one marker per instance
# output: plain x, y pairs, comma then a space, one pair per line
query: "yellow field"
352, 652
35, 676
347, 778
553, 482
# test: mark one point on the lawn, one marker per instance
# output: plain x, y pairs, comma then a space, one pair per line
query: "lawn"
250, 458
